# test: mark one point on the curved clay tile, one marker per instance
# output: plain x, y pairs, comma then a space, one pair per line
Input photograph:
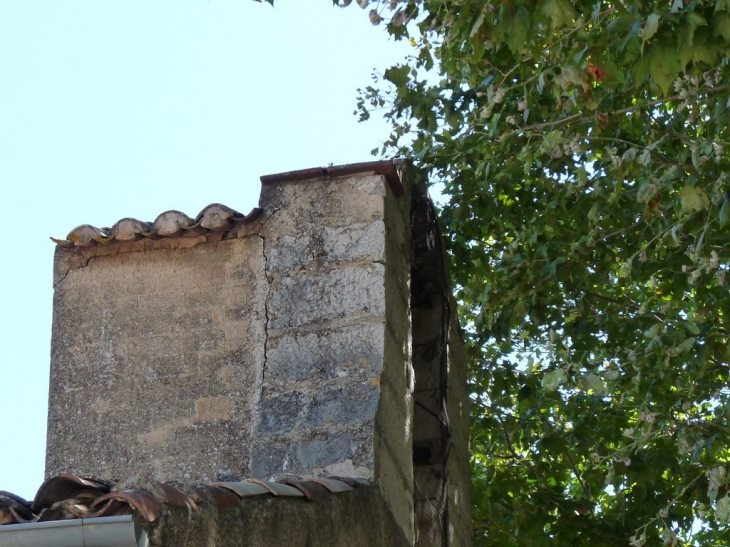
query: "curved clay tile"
213, 218
243, 489
278, 489
311, 490
129, 229
171, 223
220, 497
176, 497
149, 507
332, 485
107, 509
216, 217
66, 486
14, 509
87, 234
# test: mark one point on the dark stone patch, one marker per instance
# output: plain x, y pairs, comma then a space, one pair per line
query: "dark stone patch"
267, 461
344, 405
280, 413
322, 452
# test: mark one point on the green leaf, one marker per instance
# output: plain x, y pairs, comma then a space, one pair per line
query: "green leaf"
517, 37
477, 24
554, 379
640, 68
722, 215
693, 199
559, 12
721, 26
650, 27
654, 331
646, 192
722, 512
665, 66
685, 346
397, 75
593, 382
692, 327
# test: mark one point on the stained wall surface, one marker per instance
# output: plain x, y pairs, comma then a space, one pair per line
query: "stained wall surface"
278, 345
155, 362
281, 346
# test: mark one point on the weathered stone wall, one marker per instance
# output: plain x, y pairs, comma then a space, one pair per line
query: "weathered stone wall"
441, 402
154, 361
353, 519
285, 345
336, 393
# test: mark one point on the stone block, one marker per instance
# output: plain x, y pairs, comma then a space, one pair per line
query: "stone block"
427, 481
348, 352
331, 202
286, 253
279, 412
346, 404
355, 242
322, 452
214, 408
351, 292
398, 298
316, 247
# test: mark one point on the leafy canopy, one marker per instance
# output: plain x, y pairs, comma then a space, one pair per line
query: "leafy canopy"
582, 148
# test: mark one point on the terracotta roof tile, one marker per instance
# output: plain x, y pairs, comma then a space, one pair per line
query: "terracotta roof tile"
216, 217
213, 218
67, 496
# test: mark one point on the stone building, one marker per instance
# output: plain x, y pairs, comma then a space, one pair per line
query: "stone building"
293, 376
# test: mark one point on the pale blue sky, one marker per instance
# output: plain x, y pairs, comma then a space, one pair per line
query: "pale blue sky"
117, 108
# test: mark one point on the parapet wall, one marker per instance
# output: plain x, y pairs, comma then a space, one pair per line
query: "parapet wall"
315, 336
155, 361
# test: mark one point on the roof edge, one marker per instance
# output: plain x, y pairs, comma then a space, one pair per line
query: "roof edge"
386, 168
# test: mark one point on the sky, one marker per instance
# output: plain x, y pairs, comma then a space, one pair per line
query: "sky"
128, 108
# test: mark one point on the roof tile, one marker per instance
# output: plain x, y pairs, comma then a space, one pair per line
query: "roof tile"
67, 496
213, 218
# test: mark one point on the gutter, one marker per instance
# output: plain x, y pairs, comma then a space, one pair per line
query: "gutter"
119, 531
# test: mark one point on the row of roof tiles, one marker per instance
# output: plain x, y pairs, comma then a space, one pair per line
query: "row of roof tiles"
67, 496
215, 217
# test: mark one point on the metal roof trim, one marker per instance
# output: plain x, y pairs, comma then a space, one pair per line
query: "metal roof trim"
385, 168
116, 531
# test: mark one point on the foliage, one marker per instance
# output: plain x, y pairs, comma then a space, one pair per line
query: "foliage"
582, 149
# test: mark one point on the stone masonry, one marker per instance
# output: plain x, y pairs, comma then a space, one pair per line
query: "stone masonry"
282, 345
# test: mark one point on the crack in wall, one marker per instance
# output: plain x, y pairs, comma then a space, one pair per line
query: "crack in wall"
69, 270
267, 318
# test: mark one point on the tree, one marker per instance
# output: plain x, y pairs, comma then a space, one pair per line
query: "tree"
582, 150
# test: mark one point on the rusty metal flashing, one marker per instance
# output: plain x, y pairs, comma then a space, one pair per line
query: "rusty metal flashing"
384, 168
68, 497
